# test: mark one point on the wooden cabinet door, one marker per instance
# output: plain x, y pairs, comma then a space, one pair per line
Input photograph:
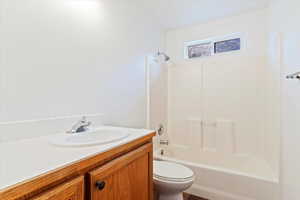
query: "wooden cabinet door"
72, 190
126, 178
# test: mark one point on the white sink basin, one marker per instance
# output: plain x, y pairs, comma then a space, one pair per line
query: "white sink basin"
90, 138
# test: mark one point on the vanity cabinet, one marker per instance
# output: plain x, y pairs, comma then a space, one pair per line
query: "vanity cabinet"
122, 173
72, 190
126, 178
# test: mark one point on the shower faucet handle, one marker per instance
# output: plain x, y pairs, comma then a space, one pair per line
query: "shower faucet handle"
160, 130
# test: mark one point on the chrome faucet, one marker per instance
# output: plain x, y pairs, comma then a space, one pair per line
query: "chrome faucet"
80, 126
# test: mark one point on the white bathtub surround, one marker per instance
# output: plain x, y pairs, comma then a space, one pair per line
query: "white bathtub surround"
219, 107
226, 178
219, 117
26, 158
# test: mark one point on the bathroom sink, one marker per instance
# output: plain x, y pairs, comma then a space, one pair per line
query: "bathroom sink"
89, 138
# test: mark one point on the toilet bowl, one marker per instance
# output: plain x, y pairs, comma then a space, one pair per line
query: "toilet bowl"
171, 179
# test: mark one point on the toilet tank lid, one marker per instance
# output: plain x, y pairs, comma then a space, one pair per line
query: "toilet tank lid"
171, 170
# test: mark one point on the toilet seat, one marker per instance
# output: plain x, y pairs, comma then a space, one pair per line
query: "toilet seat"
168, 171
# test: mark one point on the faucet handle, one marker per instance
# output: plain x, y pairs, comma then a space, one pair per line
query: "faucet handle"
84, 122
83, 119
160, 129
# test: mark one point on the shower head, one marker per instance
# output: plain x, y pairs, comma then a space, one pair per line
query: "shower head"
160, 56
166, 57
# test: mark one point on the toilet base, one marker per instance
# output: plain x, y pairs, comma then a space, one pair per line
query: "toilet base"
177, 196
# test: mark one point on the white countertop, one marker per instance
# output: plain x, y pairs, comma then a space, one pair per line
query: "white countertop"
26, 159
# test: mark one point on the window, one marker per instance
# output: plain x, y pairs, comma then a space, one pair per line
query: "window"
199, 50
213, 46
227, 45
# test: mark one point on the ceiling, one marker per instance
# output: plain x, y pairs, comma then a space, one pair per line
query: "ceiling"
178, 13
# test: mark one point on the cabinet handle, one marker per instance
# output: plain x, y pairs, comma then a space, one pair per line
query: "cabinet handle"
100, 185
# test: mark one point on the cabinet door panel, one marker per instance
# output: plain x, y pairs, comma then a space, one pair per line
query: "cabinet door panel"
72, 190
126, 178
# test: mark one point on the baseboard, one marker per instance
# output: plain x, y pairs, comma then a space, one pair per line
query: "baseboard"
213, 194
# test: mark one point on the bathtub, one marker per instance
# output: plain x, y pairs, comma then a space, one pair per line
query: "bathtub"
225, 177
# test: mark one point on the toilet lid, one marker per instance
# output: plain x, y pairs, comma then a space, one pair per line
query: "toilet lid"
171, 171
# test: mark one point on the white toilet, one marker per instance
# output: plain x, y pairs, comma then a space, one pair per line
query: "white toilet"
171, 179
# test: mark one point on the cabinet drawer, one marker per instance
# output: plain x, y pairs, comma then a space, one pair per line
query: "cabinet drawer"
72, 190
126, 178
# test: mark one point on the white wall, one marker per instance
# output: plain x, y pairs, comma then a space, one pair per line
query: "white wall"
284, 19
73, 57
224, 88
